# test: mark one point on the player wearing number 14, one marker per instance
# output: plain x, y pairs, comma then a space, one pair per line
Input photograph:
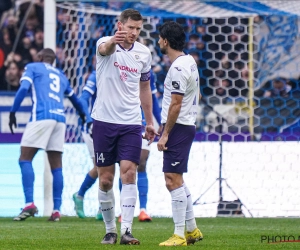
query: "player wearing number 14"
46, 128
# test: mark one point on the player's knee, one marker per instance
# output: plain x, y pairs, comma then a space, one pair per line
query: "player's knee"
172, 183
106, 181
106, 184
128, 176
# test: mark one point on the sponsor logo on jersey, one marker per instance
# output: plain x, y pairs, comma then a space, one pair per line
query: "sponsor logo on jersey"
126, 68
176, 84
123, 76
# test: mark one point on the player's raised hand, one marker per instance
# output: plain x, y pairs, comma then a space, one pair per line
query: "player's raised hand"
150, 134
119, 36
12, 121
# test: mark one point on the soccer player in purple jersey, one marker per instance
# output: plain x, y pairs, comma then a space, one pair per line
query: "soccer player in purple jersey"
123, 74
179, 110
46, 128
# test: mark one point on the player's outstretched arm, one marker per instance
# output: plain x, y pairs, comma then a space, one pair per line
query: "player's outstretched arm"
109, 47
84, 99
78, 106
20, 95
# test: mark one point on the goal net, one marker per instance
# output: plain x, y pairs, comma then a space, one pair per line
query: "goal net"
248, 59
247, 56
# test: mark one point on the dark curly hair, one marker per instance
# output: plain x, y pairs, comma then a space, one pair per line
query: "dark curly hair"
174, 33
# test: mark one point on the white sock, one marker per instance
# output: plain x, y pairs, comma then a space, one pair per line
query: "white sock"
189, 217
179, 201
128, 200
107, 204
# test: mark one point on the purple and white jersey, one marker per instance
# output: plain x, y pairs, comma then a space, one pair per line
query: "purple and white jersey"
182, 79
118, 83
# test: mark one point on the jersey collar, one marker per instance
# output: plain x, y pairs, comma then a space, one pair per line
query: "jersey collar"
124, 48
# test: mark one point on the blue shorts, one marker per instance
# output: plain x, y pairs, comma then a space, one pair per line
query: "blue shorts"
116, 142
179, 145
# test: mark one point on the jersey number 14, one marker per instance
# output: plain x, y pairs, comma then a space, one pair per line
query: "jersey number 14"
100, 157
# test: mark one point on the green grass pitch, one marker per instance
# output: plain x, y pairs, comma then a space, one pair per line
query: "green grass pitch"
219, 233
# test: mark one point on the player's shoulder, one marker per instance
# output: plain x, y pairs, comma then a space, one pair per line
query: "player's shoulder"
183, 63
141, 47
33, 65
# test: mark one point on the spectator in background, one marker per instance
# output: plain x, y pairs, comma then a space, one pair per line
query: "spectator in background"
12, 76
33, 52
4, 6
15, 53
279, 88
38, 42
195, 42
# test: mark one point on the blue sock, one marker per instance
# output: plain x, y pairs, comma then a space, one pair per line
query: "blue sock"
86, 184
27, 180
120, 185
58, 185
142, 184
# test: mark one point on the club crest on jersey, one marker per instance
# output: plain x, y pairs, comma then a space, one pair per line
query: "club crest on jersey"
137, 57
176, 84
123, 76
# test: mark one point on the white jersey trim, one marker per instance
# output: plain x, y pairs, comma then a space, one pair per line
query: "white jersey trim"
26, 78
89, 90
71, 93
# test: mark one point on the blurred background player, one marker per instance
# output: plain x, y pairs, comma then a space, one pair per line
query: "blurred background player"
142, 179
87, 99
46, 128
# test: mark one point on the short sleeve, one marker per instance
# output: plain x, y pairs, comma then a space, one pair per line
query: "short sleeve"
28, 73
99, 42
179, 77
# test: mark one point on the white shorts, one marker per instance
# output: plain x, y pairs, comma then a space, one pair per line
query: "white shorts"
45, 134
89, 143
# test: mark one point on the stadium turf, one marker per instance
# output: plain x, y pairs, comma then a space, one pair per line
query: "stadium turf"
219, 233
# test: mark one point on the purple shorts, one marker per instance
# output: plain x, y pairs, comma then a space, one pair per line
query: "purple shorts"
179, 144
116, 142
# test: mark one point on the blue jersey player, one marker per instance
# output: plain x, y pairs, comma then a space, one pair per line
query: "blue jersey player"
87, 99
46, 128
142, 180
89, 93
